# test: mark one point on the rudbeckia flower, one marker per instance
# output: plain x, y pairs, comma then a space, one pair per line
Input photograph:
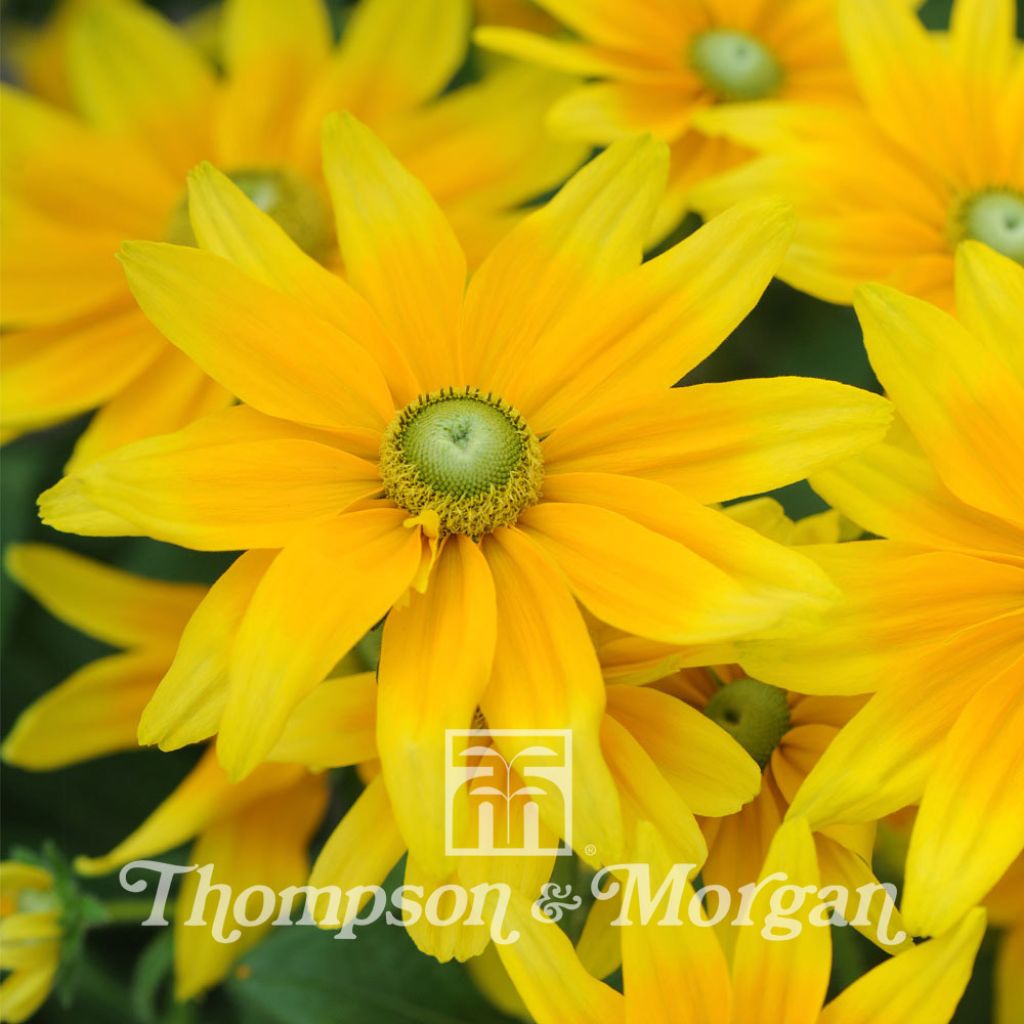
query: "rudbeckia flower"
932, 617
30, 939
255, 832
933, 156
679, 974
468, 462
95, 711
657, 64
149, 106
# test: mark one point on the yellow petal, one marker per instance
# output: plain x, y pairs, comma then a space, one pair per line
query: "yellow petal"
657, 322
549, 977
546, 676
272, 55
638, 580
714, 441
959, 397
601, 112
970, 825
711, 772
24, 992
263, 844
646, 796
892, 490
659, 25
897, 605
95, 711
783, 980
393, 58
188, 704
768, 588
982, 33
567, 251
329, 586
198, 490
53, 373
229, 224
334, 726
989, 296
204, 796
133, 73
1009, 980
676, 974
362, 849
400, 252
233, 327
896, 739
434, 667
170, 393
921, 986
110, 604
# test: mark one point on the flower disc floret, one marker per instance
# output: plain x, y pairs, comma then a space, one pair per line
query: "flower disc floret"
996, 218
466, 456
755, 714
294, 203
735, 65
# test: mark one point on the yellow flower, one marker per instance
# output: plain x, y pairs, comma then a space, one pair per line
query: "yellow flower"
150, 106
30, 939
681, 975
658, 63
254, 832
396, 429
935, 614
935, 154
95, 711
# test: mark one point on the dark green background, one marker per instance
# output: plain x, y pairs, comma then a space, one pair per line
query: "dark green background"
301, 976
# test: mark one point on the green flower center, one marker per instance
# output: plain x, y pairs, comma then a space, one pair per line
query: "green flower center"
468, 457
995, 217
292, 201
755, 714
734, 65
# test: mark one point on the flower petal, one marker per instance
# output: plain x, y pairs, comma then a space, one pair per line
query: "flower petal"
921, 986
601, 112
188, 704
134, 73
110, 604
970, 825
329, 586
333, 726
546, 676
549, 977
203, 797
95, 711
567, 251
783, 980
238, 331
197, 490
712, 773
263, 844
657, 322
435, 664
959, 396
714, 441
399, 251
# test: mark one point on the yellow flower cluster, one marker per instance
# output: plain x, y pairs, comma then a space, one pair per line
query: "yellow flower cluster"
443, 427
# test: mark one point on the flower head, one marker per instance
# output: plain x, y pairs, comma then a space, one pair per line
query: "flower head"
886, 190
656, 65
81, 181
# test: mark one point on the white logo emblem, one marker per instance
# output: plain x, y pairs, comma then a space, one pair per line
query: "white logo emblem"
501, 791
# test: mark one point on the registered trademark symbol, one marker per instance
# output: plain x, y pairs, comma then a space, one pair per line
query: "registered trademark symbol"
590, 849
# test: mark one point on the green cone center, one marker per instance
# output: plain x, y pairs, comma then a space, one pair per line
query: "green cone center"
755, 714
996, 218
296, 205
735, 66
467, 456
